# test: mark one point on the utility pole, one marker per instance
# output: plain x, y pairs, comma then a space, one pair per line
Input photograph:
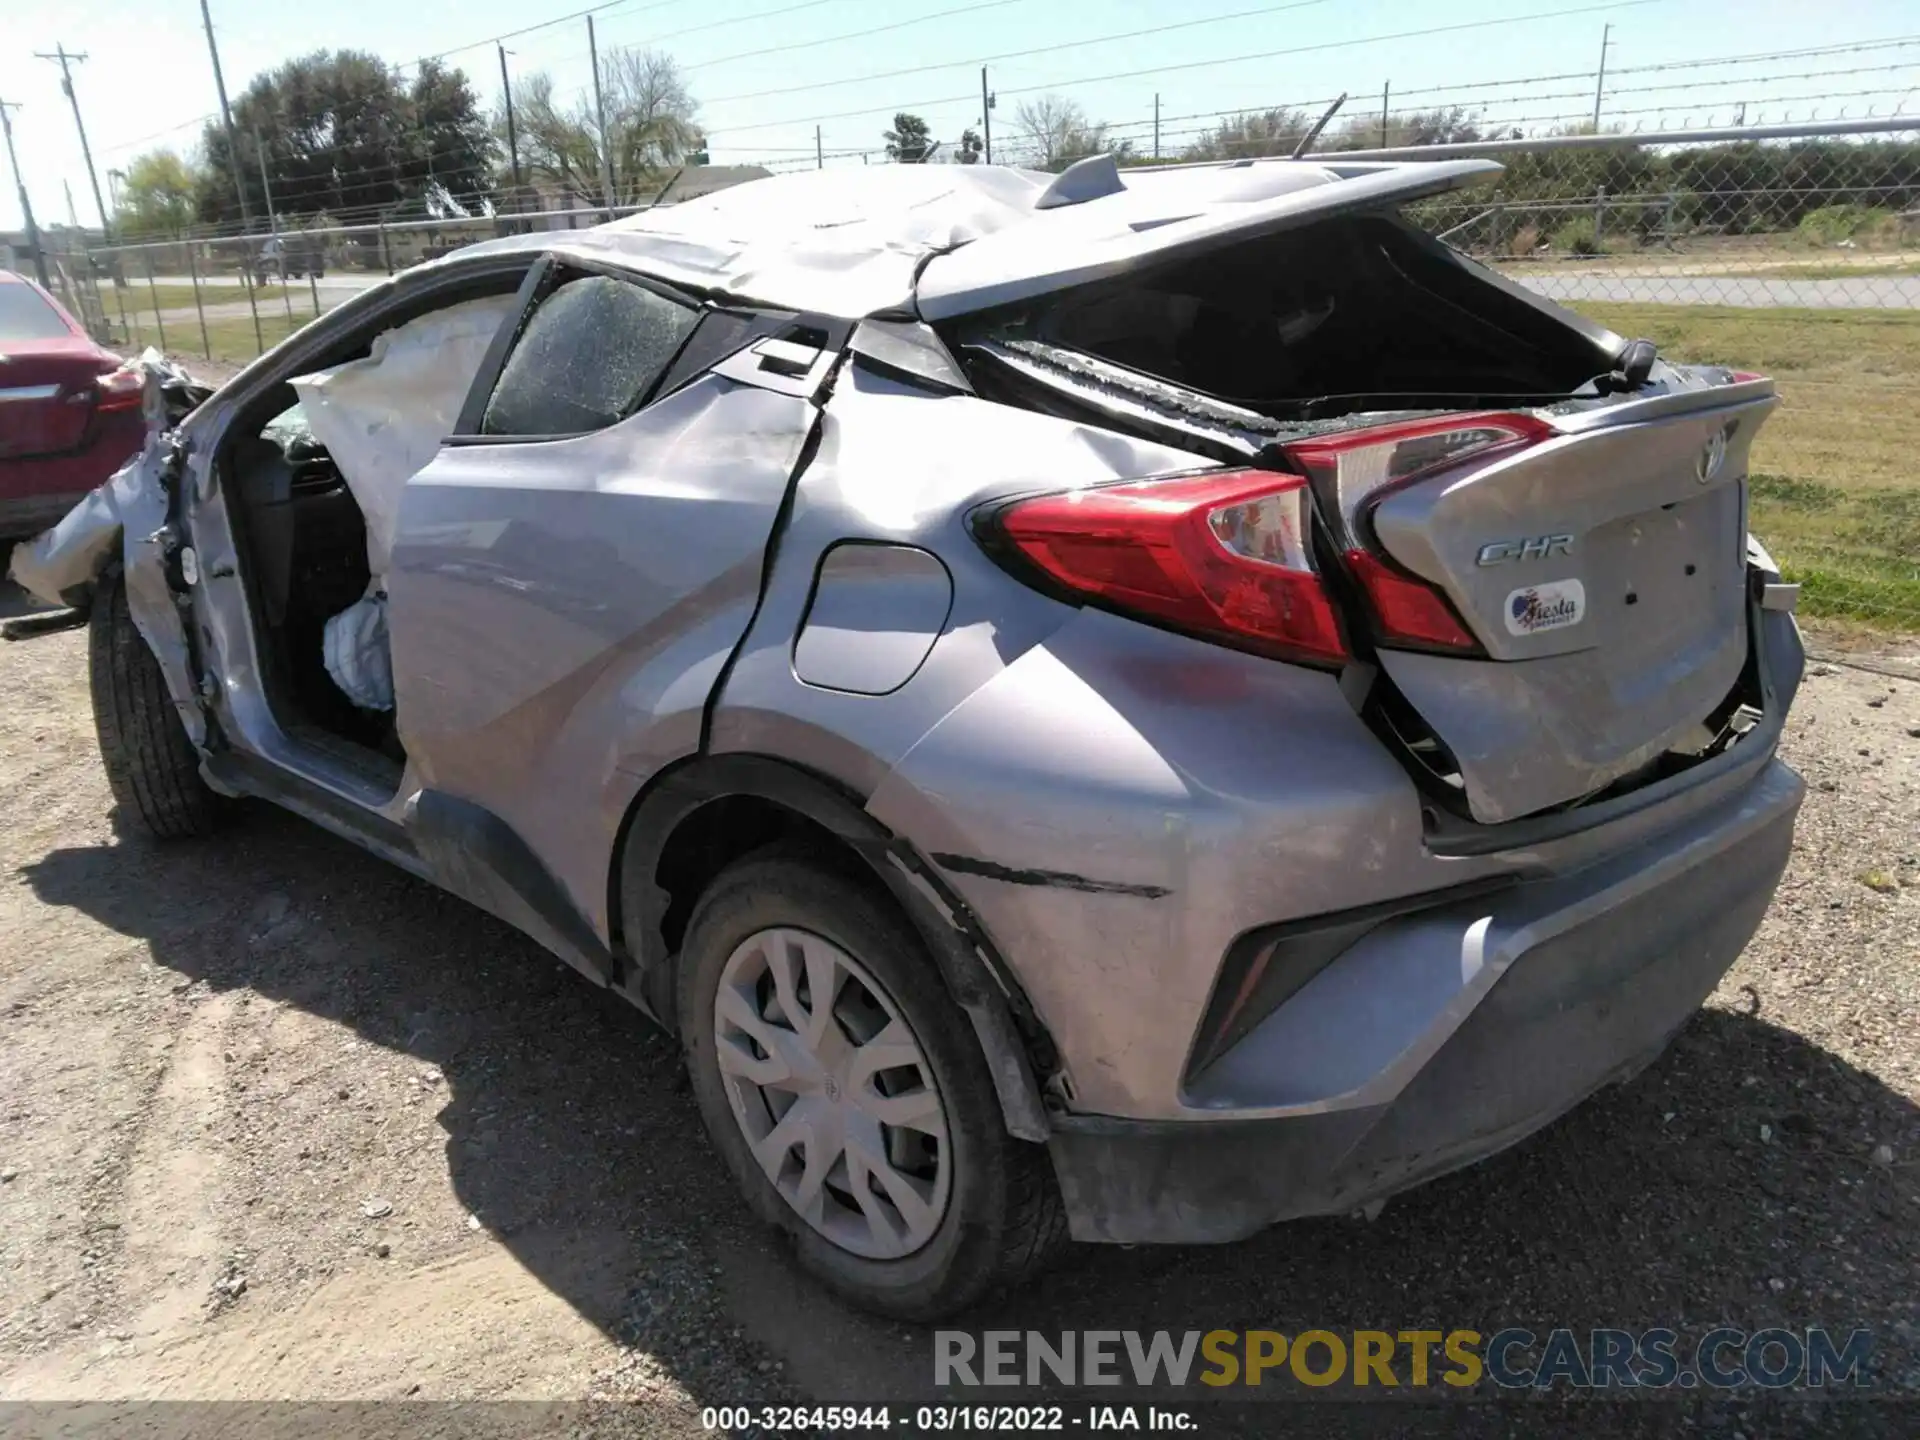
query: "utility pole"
1386, 109
1156, 124
600, 111
819, 156
513, 139
1600, 81
64, 60
266, 186
273, 227
26, 206
226, 121
986, 116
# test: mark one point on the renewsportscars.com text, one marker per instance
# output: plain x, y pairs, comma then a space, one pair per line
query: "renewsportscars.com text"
1606, 1359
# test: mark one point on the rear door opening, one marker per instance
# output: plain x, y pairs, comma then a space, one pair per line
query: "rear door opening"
1544, 556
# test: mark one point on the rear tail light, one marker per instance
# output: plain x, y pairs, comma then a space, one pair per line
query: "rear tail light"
1225, 555
121, 389
1354, 470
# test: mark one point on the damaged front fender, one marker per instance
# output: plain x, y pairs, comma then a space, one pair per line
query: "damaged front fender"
134, 514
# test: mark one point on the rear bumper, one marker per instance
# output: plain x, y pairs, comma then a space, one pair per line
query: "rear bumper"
1441, 1035
36, 492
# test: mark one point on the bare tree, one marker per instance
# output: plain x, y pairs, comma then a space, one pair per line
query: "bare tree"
649, 111
650, 127
1058, 132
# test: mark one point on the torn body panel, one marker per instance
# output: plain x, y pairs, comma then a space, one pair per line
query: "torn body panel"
901, 464
1168, 216
561, 608
136, 516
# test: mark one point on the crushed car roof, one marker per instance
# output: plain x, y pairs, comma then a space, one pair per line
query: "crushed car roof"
943, 240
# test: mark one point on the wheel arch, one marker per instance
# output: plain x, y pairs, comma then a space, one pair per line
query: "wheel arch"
700, 815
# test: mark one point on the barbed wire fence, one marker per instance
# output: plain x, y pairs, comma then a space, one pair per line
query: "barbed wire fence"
1793, 250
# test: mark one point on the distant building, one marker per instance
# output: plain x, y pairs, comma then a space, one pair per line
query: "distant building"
693, 181
575, 206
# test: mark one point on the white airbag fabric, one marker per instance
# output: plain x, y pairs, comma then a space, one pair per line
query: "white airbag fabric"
384, 417
357, 656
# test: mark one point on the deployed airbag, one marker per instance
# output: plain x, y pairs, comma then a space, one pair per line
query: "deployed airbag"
383, 417
357, 656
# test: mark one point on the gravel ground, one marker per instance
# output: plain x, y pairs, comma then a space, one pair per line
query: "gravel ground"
279, 1121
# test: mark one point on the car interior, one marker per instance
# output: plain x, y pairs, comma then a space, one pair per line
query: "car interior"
303, 540
1351, 314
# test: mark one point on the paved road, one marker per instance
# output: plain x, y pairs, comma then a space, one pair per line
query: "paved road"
1856, 292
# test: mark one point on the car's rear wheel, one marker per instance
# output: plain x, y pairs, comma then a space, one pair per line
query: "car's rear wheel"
151, 766
844, 1089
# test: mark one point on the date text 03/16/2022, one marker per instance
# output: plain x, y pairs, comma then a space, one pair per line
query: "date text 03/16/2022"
939, 1419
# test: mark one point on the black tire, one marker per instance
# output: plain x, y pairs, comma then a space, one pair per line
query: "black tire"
1004, 1218
151, 766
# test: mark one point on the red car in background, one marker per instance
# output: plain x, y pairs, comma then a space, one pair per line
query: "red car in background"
69, 410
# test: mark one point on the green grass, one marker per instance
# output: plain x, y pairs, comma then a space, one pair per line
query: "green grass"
137, 292
228, 337
1836, 489
1835, 270
231, 340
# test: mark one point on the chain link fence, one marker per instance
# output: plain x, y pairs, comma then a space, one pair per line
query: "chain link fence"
1791, 250
1795, 253
230, 298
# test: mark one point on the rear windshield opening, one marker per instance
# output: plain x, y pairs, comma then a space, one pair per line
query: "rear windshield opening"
1355, 313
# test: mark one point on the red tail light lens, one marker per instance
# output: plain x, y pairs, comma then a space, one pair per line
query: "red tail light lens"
1407, 608
1354, 470
120, 389
1224, 555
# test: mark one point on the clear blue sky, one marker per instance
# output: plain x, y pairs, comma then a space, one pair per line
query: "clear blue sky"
147, 82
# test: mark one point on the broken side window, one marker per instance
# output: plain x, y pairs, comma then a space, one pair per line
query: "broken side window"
589, 356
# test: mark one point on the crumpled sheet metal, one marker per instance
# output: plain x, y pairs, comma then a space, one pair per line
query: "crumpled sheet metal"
837, 242
59, 564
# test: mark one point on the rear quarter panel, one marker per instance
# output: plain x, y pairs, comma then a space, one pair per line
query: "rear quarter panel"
1114, 802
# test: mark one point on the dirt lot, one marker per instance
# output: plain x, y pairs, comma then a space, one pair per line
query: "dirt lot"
278, 1121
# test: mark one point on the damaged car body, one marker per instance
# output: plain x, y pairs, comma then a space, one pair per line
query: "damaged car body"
1125, 707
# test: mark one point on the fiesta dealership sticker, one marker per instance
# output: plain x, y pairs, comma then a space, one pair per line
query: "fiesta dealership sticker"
1552, 606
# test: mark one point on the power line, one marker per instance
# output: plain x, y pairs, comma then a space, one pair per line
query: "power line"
738, 20
1196, 64
202, 119
1751, 80
1895, 42
1079, 44
557, 20
1772, 55
849, 35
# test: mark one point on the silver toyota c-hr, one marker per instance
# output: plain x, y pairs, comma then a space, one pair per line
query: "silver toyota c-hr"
1123, 706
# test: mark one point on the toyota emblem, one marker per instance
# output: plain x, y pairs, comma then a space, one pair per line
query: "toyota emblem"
1713, 457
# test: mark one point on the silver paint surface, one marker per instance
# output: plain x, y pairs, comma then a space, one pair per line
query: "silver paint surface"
1115, 803
876, 611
